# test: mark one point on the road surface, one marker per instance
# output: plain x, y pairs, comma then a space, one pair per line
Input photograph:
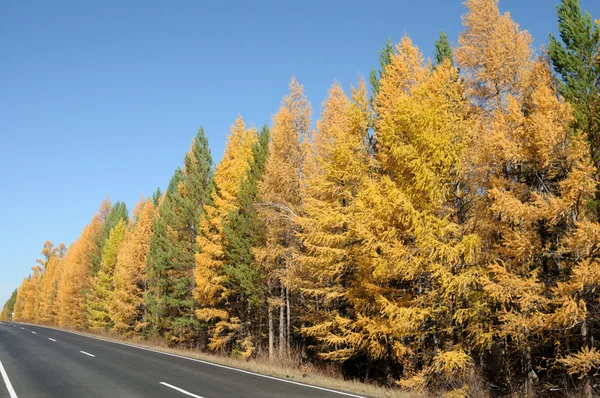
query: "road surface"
40, 362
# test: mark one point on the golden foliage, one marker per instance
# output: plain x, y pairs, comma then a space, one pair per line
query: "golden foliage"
229, 173
126, 305
583, 362
76, 278
493, 53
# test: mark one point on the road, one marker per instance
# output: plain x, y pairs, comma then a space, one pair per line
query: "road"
40, 362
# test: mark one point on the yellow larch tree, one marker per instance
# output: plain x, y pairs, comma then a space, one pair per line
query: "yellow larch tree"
20, 301
211, 293
404, 218
281, 204
75, 281
102, 284
126, 304
49, 286
535, 180
493, 53
540, 184
31, 303
336, 166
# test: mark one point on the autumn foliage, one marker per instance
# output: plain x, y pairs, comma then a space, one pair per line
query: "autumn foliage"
439, 229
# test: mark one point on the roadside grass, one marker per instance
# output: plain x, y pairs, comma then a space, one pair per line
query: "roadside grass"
283, 369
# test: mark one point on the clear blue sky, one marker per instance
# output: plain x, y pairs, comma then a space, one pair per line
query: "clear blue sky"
103, 98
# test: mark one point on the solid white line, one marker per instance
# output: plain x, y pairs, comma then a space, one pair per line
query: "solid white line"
209, 363
51, 339
33, 332
9, 386
87, 353
181, 390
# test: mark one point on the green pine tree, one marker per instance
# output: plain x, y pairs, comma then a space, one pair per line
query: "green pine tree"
160, 257
9, 306
117, 213
173, 244
243, 231
385, 57
576, 59
442, 49
156, 196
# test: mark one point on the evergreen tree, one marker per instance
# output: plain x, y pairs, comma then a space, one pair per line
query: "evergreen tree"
385, 56
575, 59
442, 49
161, 254
156, 197
243, 231
169, 298
117, 212
9, 307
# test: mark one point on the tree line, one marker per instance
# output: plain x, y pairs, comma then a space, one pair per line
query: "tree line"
441, 225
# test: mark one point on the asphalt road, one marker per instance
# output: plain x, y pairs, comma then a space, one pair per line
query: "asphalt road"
40, 362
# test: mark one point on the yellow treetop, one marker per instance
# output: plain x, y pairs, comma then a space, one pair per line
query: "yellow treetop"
49, 290
280, 188
336, 164
228, 176
76, 278
126, 308
494, 54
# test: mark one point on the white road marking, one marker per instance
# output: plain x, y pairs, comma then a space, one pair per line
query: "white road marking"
9, 386
33, 332
181, 390
87, 353
210, 363
51, 339
23, 328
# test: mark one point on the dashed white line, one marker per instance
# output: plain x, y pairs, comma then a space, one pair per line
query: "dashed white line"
51, 339
181, 390
9, 386
33, 332
87, 353
23, 328
209, 363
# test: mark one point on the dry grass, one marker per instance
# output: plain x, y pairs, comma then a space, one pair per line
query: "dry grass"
287, 370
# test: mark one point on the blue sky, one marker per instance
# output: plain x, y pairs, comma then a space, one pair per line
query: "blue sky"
103, 98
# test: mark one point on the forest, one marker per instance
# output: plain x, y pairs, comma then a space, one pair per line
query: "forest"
438, 229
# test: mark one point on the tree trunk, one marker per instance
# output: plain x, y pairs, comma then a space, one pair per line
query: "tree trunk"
530, 375
271, 333
587, 387
288, 334
282, 322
